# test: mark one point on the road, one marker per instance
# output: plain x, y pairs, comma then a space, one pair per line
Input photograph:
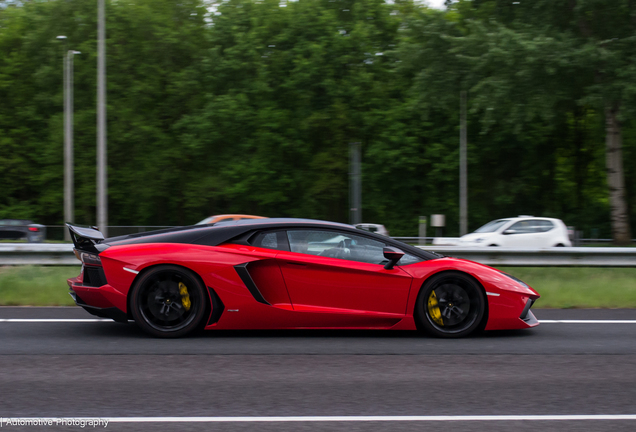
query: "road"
111, 370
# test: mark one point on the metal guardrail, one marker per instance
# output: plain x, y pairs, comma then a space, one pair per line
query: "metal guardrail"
552, 257
62, 254
453, 241
37, 254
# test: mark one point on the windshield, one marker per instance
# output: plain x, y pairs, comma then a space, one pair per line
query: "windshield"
492, 226
207, 220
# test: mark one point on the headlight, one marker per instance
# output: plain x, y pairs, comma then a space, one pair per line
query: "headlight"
519, 281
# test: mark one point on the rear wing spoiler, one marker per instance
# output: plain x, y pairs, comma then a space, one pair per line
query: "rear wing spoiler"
85, 238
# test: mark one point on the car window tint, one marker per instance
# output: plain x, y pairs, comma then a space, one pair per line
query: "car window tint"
226, 219
524, 227
271, 240
544, 225
336, 244
492, 226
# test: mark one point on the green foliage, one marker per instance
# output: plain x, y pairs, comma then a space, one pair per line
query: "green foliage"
580, 287
559, 287
36, 285
250, 105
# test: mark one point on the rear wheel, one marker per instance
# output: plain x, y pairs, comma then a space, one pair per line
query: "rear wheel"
168, 301
450, 305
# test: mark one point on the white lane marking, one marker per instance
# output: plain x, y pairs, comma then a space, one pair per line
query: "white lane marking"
78, 320
51, 320
281, 419
371, 418
587, 321
131, 270
492, 294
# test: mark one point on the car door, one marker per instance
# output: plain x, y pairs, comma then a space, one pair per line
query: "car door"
337, 272
545, 233
259, 269
521, 234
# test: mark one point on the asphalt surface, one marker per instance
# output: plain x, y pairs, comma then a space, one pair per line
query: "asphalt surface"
106, 369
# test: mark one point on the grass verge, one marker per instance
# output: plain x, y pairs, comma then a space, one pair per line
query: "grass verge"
560, 287
580, 287
36, 285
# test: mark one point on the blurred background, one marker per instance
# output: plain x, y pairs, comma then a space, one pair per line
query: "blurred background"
251, 106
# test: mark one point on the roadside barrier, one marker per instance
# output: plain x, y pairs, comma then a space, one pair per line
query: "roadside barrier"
62, 254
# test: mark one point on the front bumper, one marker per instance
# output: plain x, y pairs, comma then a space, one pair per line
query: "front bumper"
511, 311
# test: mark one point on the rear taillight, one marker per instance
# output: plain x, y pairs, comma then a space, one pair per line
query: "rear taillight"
34, 229
88, 258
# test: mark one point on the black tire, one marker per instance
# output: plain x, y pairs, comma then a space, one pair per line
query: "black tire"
493, 245
450, 305
169, 301
560, 245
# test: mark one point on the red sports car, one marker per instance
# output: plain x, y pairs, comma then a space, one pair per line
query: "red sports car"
289, 274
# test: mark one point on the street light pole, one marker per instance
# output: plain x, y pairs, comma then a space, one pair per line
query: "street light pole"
69, 207
463, 170
102, 187
69, 190
355, 187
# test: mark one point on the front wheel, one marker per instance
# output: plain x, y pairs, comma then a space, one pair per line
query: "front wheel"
450, 305
168, 301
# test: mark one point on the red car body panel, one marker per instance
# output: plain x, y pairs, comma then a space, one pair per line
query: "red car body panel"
322, 282
303, 290
506, 297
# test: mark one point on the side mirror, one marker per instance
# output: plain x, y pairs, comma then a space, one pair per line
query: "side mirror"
393, 255
510, 231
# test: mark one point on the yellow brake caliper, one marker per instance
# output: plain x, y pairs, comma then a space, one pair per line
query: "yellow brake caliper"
433, 309
185, 297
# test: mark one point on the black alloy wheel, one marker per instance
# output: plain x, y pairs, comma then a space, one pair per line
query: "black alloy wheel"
168, 301
450, 305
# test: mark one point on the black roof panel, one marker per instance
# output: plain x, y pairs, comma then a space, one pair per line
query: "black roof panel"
223, 232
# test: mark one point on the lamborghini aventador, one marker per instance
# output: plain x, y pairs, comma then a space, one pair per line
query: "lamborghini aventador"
289, 274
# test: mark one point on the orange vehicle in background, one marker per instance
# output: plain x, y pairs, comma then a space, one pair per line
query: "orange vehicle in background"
227, 218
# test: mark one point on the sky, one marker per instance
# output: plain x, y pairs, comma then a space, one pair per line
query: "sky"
437, 4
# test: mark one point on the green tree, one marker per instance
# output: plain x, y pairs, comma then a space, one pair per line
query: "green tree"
153, 61
287, 90
532, 59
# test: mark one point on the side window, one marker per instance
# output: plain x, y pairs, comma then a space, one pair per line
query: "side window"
271, 240
342, 245
523, 227
335, 244
226, 219
544, 225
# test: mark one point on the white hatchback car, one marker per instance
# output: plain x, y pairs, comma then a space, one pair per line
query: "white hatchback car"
520, 232
374, 228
